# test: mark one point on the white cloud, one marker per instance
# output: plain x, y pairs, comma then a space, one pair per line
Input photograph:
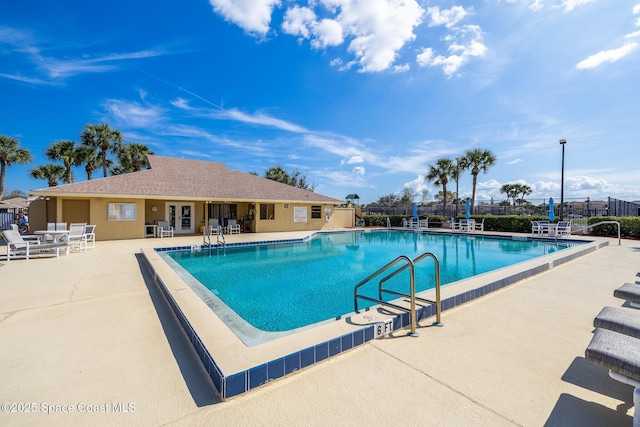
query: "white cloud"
611, 55
513, 162
636, 9
376, 29
353, 160
536, 5
569, 5
298, 21
464, 43
446, 17
328, 32
133, 114
359, 170
253, 16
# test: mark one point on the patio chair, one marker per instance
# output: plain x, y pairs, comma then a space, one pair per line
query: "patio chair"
233, 227
164, 229
563, 228
405, 223
543, 227
620, 354
479, 225
214, 226
75, 238
18, 247
89, 237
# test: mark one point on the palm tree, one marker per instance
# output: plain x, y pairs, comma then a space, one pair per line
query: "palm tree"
52, 173
133, 157
10, 153
477, 160
89, 157
104, 139
525, 190
439, 174
67, 151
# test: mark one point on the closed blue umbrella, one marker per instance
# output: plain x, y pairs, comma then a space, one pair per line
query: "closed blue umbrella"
467, 210
551, 214
415, 210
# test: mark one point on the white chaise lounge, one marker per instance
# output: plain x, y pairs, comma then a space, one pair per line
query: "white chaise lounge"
19, 247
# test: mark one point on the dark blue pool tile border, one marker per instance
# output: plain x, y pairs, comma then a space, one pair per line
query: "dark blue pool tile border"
241, 382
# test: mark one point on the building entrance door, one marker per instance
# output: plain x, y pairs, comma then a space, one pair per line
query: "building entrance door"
180, 216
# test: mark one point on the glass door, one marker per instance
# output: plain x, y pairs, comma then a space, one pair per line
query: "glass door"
180, 217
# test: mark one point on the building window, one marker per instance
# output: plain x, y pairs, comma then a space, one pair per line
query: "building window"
316, 212
123, 211
267, 211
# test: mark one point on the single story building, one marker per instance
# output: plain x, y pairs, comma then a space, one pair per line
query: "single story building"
187, 193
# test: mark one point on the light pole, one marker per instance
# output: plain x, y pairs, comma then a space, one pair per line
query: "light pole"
457, 178
562, 142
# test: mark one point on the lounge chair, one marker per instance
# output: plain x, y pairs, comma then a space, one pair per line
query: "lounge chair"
18, 247
164, 229
621, 320
27, 237
629, 292
621, 355
479, 225
232, 227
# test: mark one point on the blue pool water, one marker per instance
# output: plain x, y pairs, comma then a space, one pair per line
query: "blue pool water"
287, 286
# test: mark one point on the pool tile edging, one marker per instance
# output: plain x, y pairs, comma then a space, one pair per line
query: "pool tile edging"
241, 382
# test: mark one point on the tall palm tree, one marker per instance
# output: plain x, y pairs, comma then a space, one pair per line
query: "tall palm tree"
52, 173
477, 160
103, 138
133, 157
439, 174
67, 152
10, 153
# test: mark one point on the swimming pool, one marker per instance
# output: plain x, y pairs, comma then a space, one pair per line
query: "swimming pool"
283, 287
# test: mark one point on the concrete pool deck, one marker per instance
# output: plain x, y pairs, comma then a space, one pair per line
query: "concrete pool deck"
86, 333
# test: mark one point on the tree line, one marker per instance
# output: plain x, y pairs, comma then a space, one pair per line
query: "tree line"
446, 169
97, 142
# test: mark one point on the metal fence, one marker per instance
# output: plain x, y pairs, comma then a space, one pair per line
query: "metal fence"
573, 208
6, 219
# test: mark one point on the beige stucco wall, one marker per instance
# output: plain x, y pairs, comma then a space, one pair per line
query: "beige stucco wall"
343, 218
134, 229
284, 218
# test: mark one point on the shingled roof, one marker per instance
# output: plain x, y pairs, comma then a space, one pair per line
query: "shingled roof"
184, 179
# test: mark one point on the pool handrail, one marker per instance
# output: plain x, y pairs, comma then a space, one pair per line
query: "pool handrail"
588, 226
412, 310
437, 286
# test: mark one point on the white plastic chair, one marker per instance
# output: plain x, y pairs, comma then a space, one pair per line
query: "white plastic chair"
233, 227
164, 229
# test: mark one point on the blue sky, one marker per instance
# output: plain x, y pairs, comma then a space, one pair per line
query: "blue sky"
362, 95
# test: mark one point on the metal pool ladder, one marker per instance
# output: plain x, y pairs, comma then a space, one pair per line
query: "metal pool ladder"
410, 264
206, 236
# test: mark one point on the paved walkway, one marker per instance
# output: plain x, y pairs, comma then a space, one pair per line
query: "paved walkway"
87, 339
